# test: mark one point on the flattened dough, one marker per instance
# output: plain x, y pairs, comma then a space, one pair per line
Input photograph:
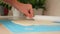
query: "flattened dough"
31, 22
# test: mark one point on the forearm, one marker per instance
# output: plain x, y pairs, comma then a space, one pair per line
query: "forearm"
8, 1
12, 2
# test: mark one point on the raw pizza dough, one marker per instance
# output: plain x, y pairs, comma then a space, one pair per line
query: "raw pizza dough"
31, 22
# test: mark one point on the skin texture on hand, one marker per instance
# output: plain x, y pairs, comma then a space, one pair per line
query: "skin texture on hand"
24, 8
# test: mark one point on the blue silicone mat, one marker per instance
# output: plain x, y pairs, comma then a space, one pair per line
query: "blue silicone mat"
19, 28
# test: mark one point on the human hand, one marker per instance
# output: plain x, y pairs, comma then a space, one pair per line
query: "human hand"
24, 8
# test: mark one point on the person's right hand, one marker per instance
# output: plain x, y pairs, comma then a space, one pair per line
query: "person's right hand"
24, 8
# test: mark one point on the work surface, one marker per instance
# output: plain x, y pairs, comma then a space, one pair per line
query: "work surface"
29, 26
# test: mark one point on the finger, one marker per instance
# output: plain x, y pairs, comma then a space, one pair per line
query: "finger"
31, 12
27, 14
